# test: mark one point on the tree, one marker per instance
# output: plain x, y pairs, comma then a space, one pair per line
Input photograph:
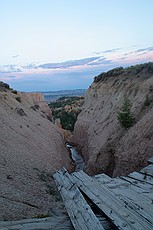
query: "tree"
125, 115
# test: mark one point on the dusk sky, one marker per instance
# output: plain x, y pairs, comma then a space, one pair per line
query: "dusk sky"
62, 44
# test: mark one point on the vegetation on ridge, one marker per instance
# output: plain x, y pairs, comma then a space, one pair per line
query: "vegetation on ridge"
131, 70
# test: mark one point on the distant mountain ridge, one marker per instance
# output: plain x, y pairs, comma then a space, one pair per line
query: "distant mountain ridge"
54, 95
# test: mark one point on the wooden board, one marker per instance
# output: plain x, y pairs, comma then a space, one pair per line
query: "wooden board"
150, 161
148, 170
125, 183
55, 222
125, 192
79, 211
144, 186
112, 182
141, 177
123, 216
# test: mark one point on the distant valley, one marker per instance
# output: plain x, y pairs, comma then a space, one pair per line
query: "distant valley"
55, 95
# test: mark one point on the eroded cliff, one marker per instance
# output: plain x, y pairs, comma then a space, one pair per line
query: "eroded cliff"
31, 149
105, 144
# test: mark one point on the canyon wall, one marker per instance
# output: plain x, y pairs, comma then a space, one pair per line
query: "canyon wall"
31, 149
38, 100
106, 145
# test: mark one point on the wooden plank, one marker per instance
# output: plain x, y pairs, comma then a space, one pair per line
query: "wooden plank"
79, 211
125, 182
139, 202
112, 182
148, 170
141, 177
150, 160
139, 188
121, 215
56, 222
145, 186
104, 222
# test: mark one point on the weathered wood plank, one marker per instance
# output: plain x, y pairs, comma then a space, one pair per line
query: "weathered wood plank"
139, 202
145, 186
79, 211
124, 182
148, 170
150, 160
113, 182
141, 177
123, 216
57, 222
139, 188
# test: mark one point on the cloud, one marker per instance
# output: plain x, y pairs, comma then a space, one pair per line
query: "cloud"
106, 51
15, 56
148, 49
111, 50
72, 73
100, 61
108, 58
67, 64
11, 77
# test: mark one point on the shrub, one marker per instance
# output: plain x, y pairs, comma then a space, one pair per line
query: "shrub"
4, 85
68, 120
35, 107
41, 215
18, 99
147, 101
21, 112
125, 115
14, 91
114, 72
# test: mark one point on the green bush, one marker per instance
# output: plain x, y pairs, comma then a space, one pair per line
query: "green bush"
35, 107
125, 115
14, 91
21, 112
18, 99
41, 215
147, 101
68, 120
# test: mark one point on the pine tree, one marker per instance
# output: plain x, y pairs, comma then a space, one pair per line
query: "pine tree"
125, 115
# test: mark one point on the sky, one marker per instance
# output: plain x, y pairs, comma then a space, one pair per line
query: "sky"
63, 44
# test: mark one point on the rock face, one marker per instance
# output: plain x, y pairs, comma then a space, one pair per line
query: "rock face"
31, 149
105, 144
39, 101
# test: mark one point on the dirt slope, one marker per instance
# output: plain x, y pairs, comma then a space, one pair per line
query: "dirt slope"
31, 149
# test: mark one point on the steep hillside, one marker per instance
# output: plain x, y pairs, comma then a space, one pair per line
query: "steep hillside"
106, 145
31, 149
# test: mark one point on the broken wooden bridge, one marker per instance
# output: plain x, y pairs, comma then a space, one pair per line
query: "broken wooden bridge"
102, 202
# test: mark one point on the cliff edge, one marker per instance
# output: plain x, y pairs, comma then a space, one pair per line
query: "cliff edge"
106, 145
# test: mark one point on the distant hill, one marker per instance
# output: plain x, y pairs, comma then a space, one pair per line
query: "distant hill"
55, 95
